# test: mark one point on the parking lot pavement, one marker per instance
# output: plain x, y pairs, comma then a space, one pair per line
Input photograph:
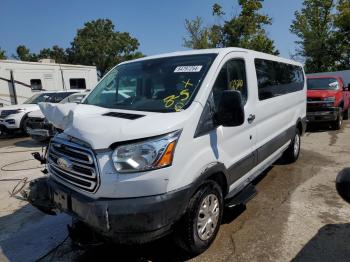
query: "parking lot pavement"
296, 215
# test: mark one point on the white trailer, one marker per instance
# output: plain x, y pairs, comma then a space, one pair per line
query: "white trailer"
20, 80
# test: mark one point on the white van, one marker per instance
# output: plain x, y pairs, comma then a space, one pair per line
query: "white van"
167, 141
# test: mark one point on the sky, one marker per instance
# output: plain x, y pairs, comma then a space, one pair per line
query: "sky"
157, 24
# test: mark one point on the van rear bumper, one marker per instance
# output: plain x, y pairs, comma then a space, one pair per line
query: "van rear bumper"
128, 220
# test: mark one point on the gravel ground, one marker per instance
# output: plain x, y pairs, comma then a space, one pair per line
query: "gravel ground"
296, 215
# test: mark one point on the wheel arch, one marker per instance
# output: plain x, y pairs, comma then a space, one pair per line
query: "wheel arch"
218, 173
301, 125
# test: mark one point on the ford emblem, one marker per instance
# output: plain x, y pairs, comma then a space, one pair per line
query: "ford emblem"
64, 163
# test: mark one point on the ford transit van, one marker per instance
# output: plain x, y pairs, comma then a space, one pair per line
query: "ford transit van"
164, 143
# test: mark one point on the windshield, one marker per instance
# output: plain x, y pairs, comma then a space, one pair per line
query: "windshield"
158, 85
322, 84
75, 98
48, 97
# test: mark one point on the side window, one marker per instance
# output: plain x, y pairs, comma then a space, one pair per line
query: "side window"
35, 84
77, 83
276, 79
232, 76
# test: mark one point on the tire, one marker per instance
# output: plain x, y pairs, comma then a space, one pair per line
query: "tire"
24, 126
200, 224
346, 114
338, 123
291, 155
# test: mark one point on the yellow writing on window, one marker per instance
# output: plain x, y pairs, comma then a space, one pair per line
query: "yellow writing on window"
169, 101
236, 84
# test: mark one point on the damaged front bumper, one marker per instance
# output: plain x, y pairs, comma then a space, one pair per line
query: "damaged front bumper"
127, 220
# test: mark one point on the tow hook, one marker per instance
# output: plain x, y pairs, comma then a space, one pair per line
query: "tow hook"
38, 194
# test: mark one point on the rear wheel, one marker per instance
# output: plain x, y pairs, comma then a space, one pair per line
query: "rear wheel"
201, 222
292, 153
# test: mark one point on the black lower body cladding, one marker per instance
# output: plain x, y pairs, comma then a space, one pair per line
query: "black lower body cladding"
129, 220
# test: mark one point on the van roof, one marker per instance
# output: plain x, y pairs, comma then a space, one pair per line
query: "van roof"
219, 51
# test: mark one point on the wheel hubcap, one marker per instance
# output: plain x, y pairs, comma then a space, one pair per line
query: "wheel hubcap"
208, 217
296, 144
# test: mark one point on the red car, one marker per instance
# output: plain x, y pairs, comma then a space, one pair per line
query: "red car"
328, 100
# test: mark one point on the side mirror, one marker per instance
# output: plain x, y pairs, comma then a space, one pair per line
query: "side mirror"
343, 184
231, 110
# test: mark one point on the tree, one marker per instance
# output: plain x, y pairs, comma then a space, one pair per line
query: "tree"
97, 43
313, 25
245, 30
2, 54
57, 53
199, 36
24, 54
342, 34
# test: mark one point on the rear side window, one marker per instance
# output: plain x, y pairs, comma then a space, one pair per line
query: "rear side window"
35, 84
232, 76
276, 79
77, 83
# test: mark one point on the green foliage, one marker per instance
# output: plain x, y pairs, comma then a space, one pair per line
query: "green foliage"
217, 10
342, 34
2, 54
97, 43
313, 26
245, 30
201, 37
57, 53
323, 31
24, 54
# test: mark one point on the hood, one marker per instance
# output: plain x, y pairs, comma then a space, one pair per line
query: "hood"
26, 107
322, 93
101, 127
36, 114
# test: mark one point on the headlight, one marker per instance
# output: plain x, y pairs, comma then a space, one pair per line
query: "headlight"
146, 155
329, 99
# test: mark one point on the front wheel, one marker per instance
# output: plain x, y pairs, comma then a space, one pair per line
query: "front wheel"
291, 155
201, 222
25, 126
338, 123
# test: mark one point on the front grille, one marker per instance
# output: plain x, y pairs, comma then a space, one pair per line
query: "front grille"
313, 99
82, 171
317, 102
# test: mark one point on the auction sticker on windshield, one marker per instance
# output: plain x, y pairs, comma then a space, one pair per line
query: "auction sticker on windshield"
188, 69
